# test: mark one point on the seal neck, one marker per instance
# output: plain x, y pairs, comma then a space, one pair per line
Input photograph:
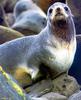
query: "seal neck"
66, 33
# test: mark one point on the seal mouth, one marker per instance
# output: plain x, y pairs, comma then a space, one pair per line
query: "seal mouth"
60, 20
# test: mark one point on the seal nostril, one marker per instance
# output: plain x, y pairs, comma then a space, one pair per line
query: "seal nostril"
58, 9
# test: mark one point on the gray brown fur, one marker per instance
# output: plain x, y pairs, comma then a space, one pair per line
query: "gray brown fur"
46, 47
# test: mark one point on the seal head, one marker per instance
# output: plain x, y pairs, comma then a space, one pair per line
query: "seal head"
60, 20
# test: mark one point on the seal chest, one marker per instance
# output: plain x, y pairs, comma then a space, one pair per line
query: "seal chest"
62, 58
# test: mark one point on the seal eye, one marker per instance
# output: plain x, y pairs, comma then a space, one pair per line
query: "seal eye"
66, 8
50, 11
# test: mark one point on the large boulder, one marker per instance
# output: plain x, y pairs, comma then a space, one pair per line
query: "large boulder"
9, 89
76, 96
7, 34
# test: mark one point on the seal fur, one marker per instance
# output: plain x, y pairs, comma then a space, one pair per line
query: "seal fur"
54, 48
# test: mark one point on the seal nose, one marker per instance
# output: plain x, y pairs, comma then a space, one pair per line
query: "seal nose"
58, 9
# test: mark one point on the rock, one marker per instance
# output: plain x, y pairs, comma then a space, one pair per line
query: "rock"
2, 2
54, 96
45, 4
76, 96
8, 5
65, 85
2, 17
39, 98
7, 34
40, 88
10, 19
9, 89
51, 96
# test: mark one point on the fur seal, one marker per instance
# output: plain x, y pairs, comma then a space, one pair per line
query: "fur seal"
25, 5
53, 47
29, 18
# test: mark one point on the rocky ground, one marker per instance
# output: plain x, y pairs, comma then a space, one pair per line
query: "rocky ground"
63, 87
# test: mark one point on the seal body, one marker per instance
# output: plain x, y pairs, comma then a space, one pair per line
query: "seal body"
54, 46
30, 22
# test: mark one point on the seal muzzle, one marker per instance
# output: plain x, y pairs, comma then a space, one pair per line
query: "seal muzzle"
59, 19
